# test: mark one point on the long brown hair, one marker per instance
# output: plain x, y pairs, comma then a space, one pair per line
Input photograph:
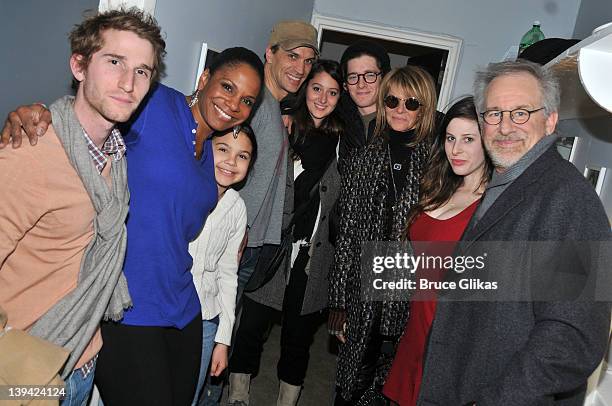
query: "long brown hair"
439, 182
332, 124
418, 83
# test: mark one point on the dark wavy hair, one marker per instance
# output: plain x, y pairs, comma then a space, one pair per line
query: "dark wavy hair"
302, 121
439, 182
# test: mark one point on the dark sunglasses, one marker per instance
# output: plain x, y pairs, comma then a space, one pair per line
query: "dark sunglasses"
410, 103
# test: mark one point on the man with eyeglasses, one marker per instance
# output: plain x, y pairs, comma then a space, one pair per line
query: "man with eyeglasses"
535, 350
364, 64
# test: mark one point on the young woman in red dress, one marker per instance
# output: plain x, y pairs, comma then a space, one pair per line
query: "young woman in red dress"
457, 173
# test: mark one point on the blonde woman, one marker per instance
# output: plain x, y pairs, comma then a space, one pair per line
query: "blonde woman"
380, 187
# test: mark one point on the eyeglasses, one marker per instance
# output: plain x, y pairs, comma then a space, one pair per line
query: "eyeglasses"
518, 116
410, 103
369, 77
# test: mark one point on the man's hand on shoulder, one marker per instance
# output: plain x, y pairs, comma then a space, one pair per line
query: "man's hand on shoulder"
31, 121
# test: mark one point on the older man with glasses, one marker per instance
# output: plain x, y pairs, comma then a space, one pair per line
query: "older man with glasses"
534, 350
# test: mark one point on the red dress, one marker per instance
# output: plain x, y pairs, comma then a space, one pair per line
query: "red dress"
404, 378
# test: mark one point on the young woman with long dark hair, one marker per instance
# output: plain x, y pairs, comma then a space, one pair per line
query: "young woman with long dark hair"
299, 287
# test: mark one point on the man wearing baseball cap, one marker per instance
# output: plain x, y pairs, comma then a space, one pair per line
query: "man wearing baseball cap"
291, 51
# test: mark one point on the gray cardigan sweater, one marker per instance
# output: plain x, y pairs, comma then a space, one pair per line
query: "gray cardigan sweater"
264, 192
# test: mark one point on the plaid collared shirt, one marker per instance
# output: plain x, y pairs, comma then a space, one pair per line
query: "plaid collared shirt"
89, 367
114, 146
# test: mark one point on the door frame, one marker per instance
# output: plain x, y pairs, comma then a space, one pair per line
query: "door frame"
145, 5
439, 41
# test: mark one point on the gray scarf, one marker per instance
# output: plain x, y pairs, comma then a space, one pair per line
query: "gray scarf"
101, 291
501, 181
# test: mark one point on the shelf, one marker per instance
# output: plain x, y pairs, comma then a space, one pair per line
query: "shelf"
584, 73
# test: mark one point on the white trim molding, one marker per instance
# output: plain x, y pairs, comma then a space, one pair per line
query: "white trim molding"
375, 30
145, 5
201, 64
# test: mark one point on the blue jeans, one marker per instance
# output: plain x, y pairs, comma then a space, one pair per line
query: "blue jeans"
209, 330
246, 268
213, 390
78, 388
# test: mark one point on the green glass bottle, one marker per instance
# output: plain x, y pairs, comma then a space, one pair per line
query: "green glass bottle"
531, 37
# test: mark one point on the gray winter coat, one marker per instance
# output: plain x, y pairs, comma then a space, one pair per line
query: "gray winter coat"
321, 251
524, 352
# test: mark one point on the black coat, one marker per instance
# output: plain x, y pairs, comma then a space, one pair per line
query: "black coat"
355, 136
365, 185
518, 352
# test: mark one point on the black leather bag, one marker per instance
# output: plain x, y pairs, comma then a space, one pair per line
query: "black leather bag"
271, 257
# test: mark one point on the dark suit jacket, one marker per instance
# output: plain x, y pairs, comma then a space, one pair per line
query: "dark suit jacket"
523, 353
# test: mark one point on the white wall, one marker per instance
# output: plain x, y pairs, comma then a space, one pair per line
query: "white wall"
593, 147
592, 14
220, 23
35, 51
334, 51
487, 27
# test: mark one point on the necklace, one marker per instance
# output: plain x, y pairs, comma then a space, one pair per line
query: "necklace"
391, 171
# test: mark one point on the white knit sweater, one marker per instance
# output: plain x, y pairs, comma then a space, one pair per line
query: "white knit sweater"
215, 262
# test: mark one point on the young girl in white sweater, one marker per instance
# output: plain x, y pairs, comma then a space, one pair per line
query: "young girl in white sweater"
216, 251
